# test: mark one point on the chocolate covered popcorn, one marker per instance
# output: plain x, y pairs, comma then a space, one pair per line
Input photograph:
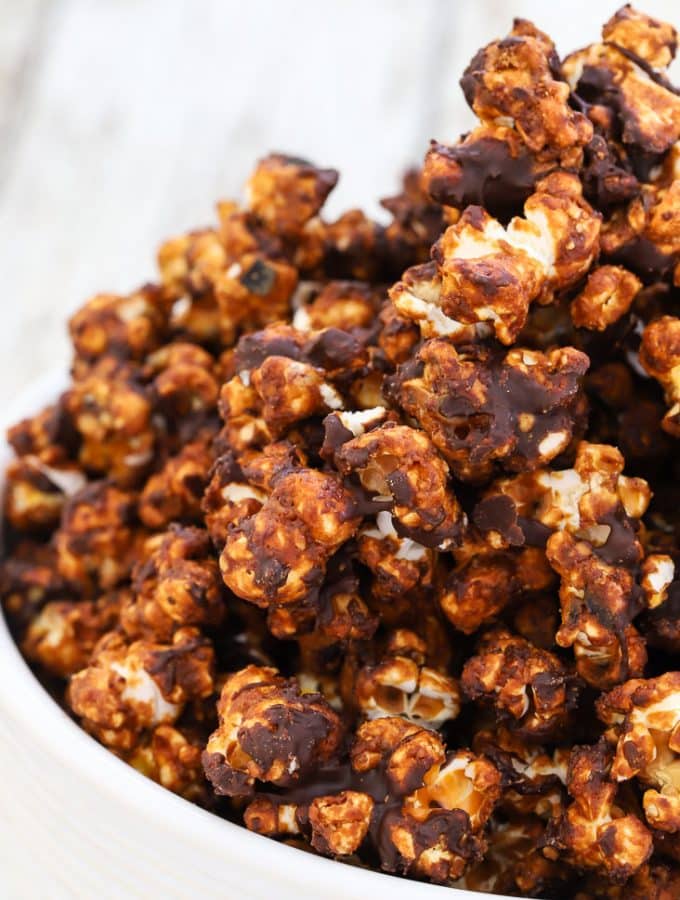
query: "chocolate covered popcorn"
365, 535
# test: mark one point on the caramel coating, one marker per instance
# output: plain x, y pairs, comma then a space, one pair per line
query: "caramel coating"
278, 554
514, 79
111, 410
644, 721
482, 409
95, 540
529, 688
285, 192
64, 633
269, 731
177, 584
400, 685
171, 756
660, 355
129, 688
400, 464
593, 831
127, 327
608, 295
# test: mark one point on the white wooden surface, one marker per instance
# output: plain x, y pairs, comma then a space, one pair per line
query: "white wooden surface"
121, 122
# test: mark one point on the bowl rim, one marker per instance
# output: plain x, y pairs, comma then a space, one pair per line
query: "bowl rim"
29, 704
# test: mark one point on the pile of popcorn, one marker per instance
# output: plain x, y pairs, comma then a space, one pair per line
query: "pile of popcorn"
330, 533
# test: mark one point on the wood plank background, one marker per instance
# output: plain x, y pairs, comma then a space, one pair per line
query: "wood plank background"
122, 121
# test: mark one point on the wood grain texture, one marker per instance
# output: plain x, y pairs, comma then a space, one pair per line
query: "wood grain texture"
122, 121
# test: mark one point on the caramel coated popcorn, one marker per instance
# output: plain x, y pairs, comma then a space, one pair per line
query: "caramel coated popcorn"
528, 687
269, 731
365, 535
483, 408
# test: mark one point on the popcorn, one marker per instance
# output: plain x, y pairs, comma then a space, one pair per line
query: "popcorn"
484, 582
48, 435
112, 412
399, 464
332, 522
528, 688
401, 569
401, 685
177, 584
274, 557
487, 275
64, 633
513, 82
653, 41
437, 831
339, 823
28, 580
285, 192
172, 757
589, 514
127, 689
175, 492
625, 75
95, 541
608, 295
593, 831
483, 409
645, 235
660, 355
36, 492
126, 327
643, 715
533, 779
338, 304
269, 731
254, 291
184, 382
513, 864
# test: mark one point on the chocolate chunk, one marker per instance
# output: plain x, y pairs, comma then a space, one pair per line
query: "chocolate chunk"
498, 513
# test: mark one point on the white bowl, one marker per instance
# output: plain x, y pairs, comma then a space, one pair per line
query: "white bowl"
76, 822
